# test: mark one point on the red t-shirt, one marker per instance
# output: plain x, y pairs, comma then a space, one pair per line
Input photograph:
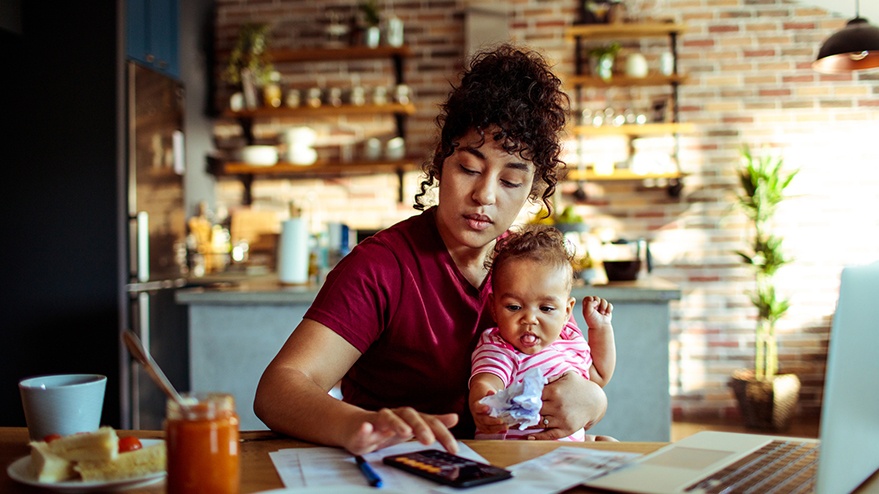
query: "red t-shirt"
399, 299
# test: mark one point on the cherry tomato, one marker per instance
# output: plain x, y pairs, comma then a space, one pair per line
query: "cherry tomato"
51, 437
129, 443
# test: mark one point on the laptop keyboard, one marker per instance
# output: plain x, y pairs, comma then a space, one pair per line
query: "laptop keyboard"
779, 467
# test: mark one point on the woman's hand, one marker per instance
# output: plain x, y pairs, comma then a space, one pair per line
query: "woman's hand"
391, 426
570, 402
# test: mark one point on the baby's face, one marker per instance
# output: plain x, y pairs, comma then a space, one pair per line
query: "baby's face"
531, 304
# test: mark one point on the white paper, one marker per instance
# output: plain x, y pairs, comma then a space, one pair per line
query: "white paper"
322, 466
553, 472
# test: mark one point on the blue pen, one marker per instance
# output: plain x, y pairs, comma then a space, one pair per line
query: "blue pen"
371, 476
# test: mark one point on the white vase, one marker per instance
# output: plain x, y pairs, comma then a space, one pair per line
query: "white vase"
373, 36
636, 66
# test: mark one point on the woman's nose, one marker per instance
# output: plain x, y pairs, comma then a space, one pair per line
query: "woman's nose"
484, 193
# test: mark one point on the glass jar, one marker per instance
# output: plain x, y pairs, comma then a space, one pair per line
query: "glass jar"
202, 442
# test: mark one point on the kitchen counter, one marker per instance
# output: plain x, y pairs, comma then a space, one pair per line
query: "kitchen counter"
224, 290
237, 324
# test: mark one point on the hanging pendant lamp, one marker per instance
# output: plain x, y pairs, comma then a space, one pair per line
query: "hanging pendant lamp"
855, 47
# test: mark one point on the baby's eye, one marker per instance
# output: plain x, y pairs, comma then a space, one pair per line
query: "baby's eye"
513, 307
547, 308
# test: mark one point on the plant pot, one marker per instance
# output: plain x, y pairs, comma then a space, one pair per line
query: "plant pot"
768, 405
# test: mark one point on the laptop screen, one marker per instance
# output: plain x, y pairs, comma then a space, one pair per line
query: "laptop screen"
850, 413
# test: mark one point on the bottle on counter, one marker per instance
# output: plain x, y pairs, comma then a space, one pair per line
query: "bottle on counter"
202, 442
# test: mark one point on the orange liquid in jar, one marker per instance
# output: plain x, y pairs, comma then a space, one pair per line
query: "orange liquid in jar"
202, 442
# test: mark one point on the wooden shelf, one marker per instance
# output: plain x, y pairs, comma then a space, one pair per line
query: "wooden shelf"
317, 54
623, 30
324, 110
617, 176
320, 168
619, 80
633, 130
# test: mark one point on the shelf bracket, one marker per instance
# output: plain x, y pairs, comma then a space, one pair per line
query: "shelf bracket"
247, 194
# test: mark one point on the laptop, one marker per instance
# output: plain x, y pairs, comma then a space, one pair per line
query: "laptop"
847, 452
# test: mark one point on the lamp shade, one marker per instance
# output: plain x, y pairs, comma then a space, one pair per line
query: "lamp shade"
855, 47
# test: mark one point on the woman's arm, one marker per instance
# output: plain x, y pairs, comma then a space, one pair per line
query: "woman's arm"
292, 398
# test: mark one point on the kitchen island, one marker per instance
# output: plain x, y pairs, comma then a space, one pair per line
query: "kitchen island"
235, 329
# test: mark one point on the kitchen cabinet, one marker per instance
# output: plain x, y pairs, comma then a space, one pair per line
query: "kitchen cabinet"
152, 34
399, 111
588, 35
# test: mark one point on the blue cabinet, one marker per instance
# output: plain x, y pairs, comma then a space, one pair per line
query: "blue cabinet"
152, 34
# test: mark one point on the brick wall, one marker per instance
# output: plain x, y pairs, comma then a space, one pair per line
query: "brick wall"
750, 82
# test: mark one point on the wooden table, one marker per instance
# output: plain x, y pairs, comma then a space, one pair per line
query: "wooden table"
258, 473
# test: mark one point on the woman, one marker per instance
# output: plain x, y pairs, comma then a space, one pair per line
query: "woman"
397, 319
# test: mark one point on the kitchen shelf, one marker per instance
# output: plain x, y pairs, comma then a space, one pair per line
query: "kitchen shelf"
583, 33
338, 54
624, 30
320, 168
633, 130
323, 110
284, 56
620, 80
617, 176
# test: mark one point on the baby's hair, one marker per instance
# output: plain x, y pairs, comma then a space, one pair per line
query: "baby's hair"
540, 243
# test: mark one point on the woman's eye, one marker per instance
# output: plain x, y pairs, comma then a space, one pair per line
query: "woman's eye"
468, 171
512, 185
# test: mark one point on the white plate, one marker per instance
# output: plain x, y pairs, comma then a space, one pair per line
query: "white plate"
331, 489
19, 471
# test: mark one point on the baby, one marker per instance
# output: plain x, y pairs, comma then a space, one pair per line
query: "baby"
531, 302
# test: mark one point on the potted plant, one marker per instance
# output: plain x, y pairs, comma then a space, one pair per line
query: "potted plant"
249, 64
602, 59
766, 399
372, 19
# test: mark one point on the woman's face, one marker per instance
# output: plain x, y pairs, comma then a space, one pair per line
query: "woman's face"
531, 303
482, 188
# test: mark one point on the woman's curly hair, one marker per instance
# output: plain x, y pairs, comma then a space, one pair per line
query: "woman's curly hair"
514, 90
540, 243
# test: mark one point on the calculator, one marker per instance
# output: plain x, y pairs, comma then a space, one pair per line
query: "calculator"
447, 468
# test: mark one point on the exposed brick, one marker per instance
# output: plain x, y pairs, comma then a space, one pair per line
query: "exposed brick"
750, 81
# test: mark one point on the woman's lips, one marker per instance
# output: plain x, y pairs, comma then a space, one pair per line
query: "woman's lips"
477, 221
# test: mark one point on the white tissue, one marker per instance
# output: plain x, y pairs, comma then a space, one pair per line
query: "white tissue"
520, 403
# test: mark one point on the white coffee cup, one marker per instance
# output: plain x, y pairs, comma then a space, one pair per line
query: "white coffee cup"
62, 404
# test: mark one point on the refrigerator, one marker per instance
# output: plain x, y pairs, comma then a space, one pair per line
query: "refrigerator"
156, 247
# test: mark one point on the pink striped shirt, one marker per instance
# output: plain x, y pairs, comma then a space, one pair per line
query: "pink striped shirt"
495, 355
570, 352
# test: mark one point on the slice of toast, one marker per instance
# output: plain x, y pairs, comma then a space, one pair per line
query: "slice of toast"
137, 463
47, 466
101, 445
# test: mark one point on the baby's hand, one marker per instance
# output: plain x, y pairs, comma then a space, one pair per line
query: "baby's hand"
597, 312
485, 423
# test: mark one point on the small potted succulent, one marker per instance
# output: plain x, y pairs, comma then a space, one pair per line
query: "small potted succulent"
602, 59
372, 19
